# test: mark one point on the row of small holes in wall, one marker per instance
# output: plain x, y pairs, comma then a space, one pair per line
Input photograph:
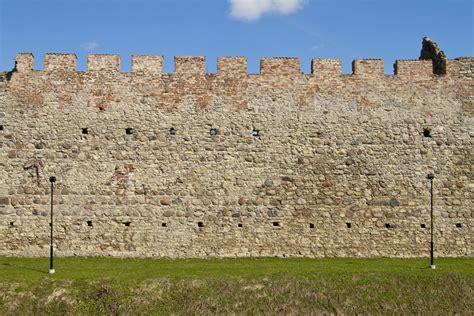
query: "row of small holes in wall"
387, 225
349, 225
213, 131
240, 225
276, 224
200, 224
172, 131
127, 224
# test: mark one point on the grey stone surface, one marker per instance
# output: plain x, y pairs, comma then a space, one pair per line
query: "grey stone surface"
393, 202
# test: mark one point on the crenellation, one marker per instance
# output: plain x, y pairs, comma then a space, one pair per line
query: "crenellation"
190, 164
60, 62
416, 69
326, 68
237, 66
103, 63
280, 66
24, 62
368, 67
232, 67
190, 65
147, 64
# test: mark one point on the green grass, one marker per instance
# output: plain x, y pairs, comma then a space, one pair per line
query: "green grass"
244, 286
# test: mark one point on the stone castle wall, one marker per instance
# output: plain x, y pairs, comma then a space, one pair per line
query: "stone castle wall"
319, 164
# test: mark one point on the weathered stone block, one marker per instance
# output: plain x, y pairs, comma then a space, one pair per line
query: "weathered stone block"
4, 201
7, 210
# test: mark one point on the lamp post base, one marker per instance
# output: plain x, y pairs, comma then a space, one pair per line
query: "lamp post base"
51, 271
432, 267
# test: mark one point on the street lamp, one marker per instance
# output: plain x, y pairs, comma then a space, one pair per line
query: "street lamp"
52, 179
430, 177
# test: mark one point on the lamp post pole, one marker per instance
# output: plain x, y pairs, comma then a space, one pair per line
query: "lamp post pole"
52, 179
432, 265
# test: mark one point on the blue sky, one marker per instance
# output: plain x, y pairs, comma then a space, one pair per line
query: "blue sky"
345, 29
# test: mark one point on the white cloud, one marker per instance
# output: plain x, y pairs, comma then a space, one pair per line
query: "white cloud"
250, 10
90, 46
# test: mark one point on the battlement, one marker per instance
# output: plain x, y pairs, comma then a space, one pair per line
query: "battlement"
280, 66
24, 62
147, 64
231, 66
100, 62
414, 68
60, 62
326, 67
190, 65
237, 66
280, 163
368, 67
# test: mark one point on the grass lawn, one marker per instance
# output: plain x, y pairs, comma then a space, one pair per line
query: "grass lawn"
243, 286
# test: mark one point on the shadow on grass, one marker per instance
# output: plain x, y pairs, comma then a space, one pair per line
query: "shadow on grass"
23, 268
